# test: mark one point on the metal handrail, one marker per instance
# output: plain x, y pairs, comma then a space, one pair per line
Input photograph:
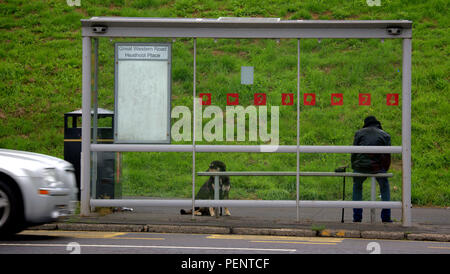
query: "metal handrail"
293, 173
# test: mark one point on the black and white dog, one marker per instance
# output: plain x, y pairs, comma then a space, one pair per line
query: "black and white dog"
206, 192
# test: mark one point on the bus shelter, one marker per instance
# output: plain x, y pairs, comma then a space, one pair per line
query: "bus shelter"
268, 28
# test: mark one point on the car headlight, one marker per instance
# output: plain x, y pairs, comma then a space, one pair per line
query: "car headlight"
50, 178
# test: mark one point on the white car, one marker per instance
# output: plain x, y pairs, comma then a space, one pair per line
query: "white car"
34, 189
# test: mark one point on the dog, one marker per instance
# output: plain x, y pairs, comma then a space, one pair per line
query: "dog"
206, 192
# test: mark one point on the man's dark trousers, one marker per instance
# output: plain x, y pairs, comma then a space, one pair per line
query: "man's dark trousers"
357, 195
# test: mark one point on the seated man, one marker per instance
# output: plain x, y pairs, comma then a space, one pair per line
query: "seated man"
371, 134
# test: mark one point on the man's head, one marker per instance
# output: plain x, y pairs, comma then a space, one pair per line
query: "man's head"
371, 121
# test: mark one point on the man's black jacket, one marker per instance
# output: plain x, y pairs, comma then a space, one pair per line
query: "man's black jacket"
371, 162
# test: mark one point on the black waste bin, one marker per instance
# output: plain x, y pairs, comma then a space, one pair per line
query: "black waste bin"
107, 184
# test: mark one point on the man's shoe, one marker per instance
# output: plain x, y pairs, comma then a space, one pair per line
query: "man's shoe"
387, 221
356, 221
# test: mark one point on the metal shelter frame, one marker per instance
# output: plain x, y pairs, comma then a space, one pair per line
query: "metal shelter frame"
271, 28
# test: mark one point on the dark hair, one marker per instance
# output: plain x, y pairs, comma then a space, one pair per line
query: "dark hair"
371, 121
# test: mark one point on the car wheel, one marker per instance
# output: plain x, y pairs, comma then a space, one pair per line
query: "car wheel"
10, 215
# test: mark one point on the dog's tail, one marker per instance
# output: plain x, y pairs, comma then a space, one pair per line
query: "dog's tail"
184, 212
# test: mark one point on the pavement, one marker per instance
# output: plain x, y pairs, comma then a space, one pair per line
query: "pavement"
428, 224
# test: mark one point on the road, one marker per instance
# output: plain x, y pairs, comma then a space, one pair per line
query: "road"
90, 242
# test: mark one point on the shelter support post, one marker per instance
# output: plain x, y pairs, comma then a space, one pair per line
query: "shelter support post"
298, 133
86, 129
95, 124
193, 127
406, 133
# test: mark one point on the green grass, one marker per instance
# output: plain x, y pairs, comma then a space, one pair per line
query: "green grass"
40, 80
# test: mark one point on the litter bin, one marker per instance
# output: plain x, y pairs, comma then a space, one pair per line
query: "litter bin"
106, 175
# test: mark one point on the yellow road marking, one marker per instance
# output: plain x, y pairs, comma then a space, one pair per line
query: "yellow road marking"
137, 238
275, 238
340, 233
157, 246
86, 234
441, 247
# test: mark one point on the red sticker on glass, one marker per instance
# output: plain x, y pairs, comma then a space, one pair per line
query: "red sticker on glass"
392, 99
205, 99
309, 99
337, 99
259, 99
232, 99
364, 99
287, 99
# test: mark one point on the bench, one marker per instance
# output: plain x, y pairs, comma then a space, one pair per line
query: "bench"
293, 173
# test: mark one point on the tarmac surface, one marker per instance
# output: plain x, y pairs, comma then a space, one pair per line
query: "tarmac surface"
431, 224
